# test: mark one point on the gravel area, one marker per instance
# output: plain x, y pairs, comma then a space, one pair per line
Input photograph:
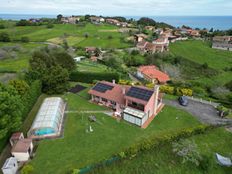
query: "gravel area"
204, 112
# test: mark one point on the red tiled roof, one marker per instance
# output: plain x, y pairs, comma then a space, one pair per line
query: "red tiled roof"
116, 94
152, 73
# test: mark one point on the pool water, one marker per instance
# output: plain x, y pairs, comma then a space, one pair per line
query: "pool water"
44, 131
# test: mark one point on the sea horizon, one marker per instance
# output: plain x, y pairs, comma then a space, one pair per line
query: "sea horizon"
208, 22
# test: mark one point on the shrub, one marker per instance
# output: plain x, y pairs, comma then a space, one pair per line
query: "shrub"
167, 89
75, 171
184, 91
2, 26
110, 37
4, 37
89, 77
27, 169
150, 85
50, 25
25, 39
204, 164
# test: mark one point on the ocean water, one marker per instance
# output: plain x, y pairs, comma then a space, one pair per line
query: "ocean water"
216, 22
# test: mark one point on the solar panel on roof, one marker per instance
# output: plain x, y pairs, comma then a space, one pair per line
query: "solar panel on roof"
101, 87
140, 93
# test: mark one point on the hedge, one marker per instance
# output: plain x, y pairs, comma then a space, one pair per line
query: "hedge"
178, 91
89, 77
31, 97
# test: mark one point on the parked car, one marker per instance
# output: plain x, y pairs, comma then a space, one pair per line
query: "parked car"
183, 101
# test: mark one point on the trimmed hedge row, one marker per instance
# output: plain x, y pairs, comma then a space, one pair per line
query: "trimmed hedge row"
31, 97
89, 77
178, 91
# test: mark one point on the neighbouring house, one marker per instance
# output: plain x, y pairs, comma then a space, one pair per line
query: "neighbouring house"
161, 44
49, 119
96, 19
70, 19
113, 21
135, 104
150, 28
222, 43
151, 48
140, 37
22, 150
79, 58
10, 166
152, 74
92, 51
93, 58
195, 33
15, 137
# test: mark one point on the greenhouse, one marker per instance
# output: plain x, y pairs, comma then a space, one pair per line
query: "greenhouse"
48, 120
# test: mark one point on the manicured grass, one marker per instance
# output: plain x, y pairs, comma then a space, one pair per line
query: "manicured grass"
162, 160
87, 65
78, 149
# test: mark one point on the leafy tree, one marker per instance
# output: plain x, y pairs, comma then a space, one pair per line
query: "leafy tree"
2, 26
50, 25
21, 86
55, 80
4, 37
10, 110
146, 21
23, 22
188, 151
25, 39
59, 16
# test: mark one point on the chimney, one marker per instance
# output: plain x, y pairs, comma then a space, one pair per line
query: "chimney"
113, 81
123, 90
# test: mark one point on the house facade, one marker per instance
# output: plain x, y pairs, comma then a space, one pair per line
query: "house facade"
222, 43
135, 104
152, 74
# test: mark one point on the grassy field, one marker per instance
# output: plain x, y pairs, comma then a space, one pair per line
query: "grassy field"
162, 160
200, 52
90, 66
74, 34
79, 149
22, 56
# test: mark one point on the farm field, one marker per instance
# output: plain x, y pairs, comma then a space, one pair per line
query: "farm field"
97, 35
79, 149
86, 65
21, 55
162, 160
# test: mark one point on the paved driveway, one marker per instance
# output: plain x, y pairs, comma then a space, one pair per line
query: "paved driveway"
204, 112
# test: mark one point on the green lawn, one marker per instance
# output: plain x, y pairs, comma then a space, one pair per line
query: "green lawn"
78, 148
87, 65
162, 160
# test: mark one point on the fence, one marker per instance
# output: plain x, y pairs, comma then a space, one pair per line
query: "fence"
203, 101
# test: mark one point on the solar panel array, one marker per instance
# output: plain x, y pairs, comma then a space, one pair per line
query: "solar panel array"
140, 93
101, 87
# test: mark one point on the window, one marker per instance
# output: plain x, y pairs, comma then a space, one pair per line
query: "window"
104, 100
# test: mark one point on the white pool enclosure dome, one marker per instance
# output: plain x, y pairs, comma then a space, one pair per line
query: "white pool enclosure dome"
49, 118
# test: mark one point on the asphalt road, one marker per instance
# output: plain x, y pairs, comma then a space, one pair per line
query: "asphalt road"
203, 112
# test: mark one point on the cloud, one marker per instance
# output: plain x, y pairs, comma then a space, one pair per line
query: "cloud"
119, 7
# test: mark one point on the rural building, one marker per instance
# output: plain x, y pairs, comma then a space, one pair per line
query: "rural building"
49, 119
22, 149
150, 28
152, 74
140, 37
113, 21
135, 104
70, 20
10, 166
96, 19
161, 44
15, 137
222, 43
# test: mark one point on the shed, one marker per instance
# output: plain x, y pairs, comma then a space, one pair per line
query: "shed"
22, 149
10, 166
15, 137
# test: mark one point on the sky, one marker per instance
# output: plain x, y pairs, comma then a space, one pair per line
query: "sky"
119, 7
